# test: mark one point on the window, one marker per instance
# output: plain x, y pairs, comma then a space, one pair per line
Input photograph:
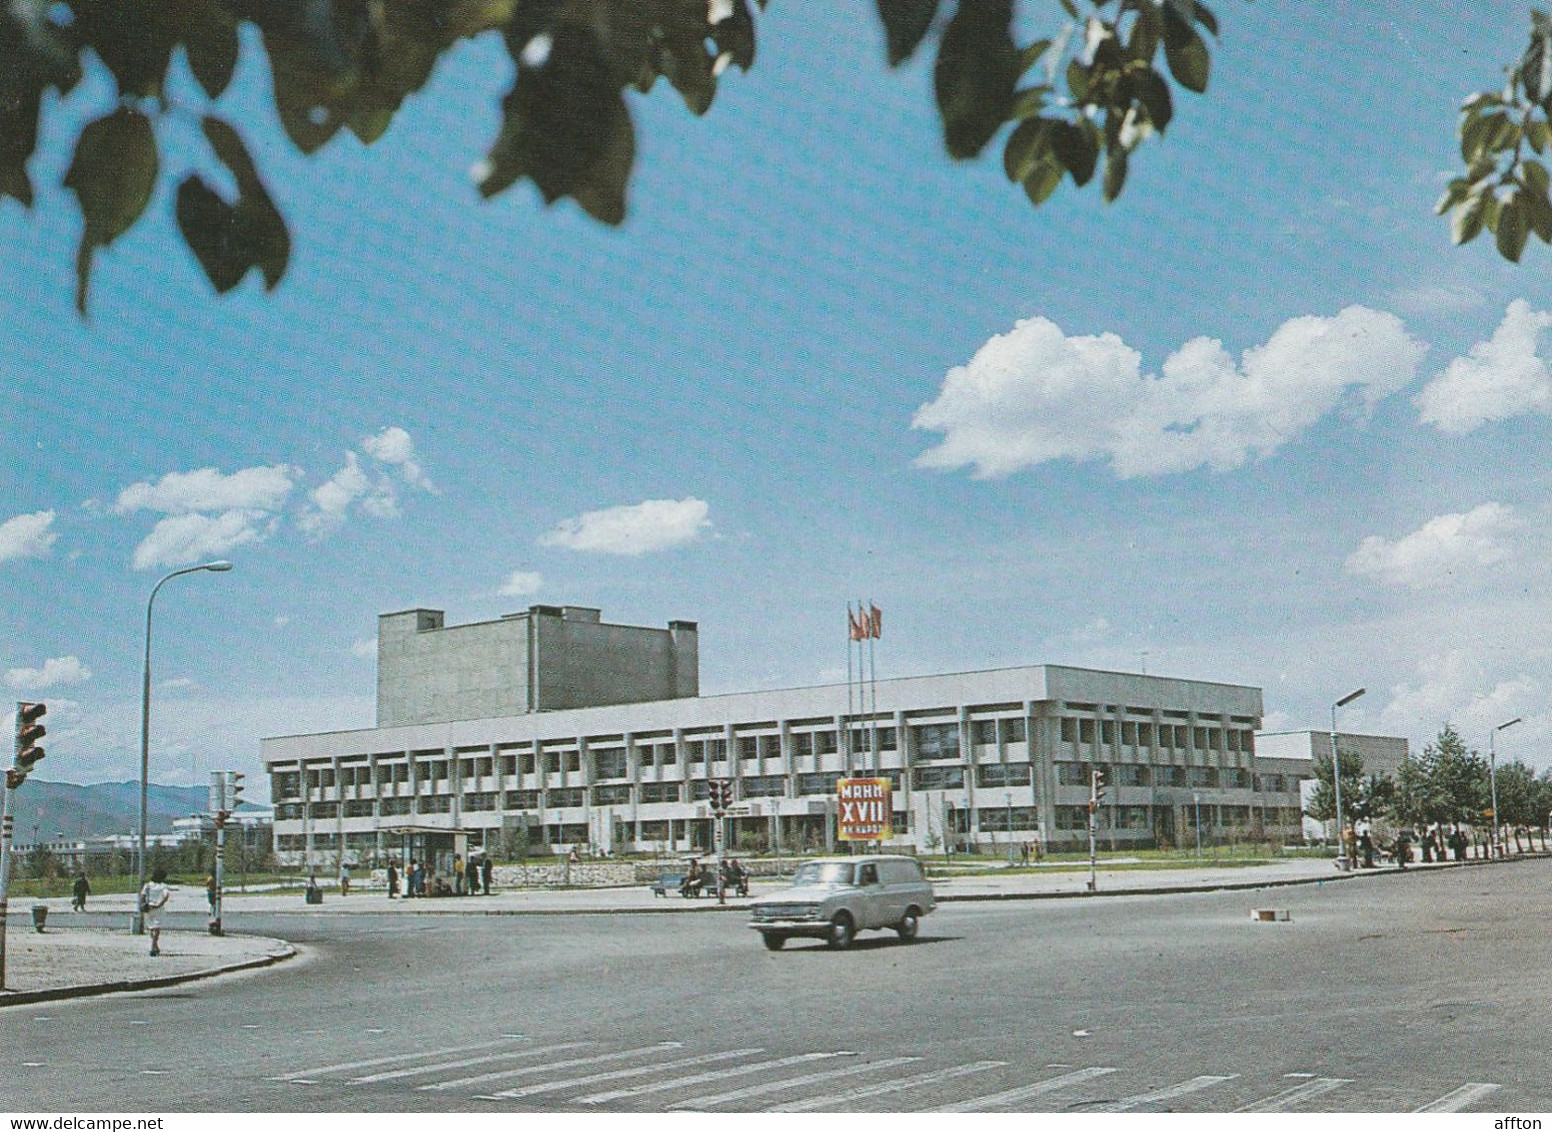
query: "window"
1107, 732
1069, 729
700, 790
765, 786
358, 808
824, 742
997, 819
1072, 774
571, 796
1003, 774
1200, 735
1169, 776
716, 750
288, 811
508, 764
667, 754
659, 792
1247, 742
1182, 740
573, 761
748, 747
476, 802
1129, 734
984, 732
393, 807
818, 783
528, 764
860, 740
551, 763
1085, 730
1236, 778
1145, 734
1072, 817
694, 751
610, 764
886, 738
325, 810
436, 804
1131, 774
937, 741
1233, 738
938, 777
287, 785
1201, 776
654, 831
1012, 730
616, 794
523, 799
802, 743
770, 746
1133, 817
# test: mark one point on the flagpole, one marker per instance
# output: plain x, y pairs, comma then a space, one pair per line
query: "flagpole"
846, 727
873, 658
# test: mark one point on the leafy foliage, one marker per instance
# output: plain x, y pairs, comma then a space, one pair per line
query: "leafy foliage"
1322, 804
1503, 135
566, 124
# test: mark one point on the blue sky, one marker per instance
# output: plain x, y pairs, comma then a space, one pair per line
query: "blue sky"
819, 362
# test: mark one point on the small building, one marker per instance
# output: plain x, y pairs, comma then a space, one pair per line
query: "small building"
1289, 756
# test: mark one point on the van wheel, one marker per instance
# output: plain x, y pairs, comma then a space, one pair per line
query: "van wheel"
908, 926
842, 931
773, 942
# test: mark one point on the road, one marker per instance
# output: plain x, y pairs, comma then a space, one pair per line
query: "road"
1387, 994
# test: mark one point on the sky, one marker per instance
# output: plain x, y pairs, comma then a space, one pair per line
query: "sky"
1258, 421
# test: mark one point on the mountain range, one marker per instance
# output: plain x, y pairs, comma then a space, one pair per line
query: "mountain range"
62, 809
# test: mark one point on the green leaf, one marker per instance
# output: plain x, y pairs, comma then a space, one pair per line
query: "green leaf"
1533, 175
1189, 62
1027, 146
1456, 192
1466, 221
1078, 80
1115, 173
212, 48
977, 68
905, 24
1478, 132
1077, 148
1538, 134
1028, 103
261, 231
1513, 228
207, 224
1032, 54
1538, 211
112, 174
1042, 182
1535, 70
1153, 92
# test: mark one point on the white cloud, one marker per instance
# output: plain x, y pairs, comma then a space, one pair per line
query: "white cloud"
521, 583
1441, 550
1500, 378
27, 536
329, 502
1448, 690
281, 621
180, 540
1436, 299
1035, 394
180, 493
55, 670
656, 524
364, 649
394, 447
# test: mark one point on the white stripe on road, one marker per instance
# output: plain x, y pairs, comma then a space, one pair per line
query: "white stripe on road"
711, 1075
1459, 1098
889, 1086
696, 1103
1165, 1094
617, 1074
461, 1063
321, 1070
569, 1063
1024, 1092
1298, 1094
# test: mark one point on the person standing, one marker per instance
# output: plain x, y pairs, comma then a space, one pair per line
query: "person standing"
81, 890
393, 881
210, 894
344, 879
153, 898
485, 871
457, 874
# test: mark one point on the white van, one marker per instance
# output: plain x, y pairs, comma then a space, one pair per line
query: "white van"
834, 898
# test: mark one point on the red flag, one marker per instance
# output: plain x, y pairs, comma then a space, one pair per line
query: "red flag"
875, 621
855, 629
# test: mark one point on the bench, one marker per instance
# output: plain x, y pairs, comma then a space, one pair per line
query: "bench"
666, 883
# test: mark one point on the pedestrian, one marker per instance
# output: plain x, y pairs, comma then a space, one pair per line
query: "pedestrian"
1024, 853
572, 857
485, 871
393, 881
1427, 843
153, 898
1458, 844
344, 879
210, 894
1366, 847
79, 893
420, 879
457, 875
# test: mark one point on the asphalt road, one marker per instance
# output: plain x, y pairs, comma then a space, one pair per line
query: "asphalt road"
1387, 994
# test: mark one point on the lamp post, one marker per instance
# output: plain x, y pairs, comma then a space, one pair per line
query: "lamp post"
1492, 778
1342, 862
137, 926
1196, 800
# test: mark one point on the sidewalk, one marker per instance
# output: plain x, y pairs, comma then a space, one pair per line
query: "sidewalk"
66, 962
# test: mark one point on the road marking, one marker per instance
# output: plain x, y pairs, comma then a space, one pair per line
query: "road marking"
461, 1063
42, 1017
570, 1063
152, 1072
1298, 1094
1459, 1098
1024, 1092
1166, 1094
138, 1022
322, 1070
617, 1074
711, 1075
503, 1035
889, 1086
33, 1064
250, 1026
789, 1083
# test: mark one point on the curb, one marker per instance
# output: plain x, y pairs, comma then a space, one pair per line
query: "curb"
85, 990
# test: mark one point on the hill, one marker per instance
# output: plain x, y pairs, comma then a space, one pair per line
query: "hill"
57, 809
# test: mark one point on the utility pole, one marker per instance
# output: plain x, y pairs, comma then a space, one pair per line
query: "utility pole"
27, 733
1096, 795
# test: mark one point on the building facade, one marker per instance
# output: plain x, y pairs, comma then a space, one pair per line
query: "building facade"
982, 759
1291, 755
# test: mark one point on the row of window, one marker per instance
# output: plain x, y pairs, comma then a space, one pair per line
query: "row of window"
1167, 736
1138, 774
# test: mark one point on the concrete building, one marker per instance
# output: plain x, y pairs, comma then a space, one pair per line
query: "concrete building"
979, 758
1286, 756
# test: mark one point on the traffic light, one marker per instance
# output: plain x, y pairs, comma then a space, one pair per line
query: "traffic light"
28, 732
1096, 789
234, 789
720, 792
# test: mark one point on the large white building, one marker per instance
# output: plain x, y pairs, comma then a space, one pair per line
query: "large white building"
975, 758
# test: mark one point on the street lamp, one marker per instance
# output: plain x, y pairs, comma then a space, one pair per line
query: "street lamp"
137, 926
1492, 778
1342, 862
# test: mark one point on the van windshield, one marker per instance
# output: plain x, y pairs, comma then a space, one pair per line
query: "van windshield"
822, 872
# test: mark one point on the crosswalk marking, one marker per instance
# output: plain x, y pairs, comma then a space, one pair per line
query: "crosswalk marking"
617, 1074
1165, 1094
322, 1070
1298, 1094
889, 1086
767, 1087
1024, 1092
569, 1063
1457, 1099
712, 1075
461, 1063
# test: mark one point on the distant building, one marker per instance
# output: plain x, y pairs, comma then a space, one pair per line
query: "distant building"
1290, 755
597, 736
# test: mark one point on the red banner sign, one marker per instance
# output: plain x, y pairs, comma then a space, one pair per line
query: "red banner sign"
865, 811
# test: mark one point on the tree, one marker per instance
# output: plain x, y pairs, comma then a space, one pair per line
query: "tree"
1087, 95
1454, 780
1517, 797
1322, 805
